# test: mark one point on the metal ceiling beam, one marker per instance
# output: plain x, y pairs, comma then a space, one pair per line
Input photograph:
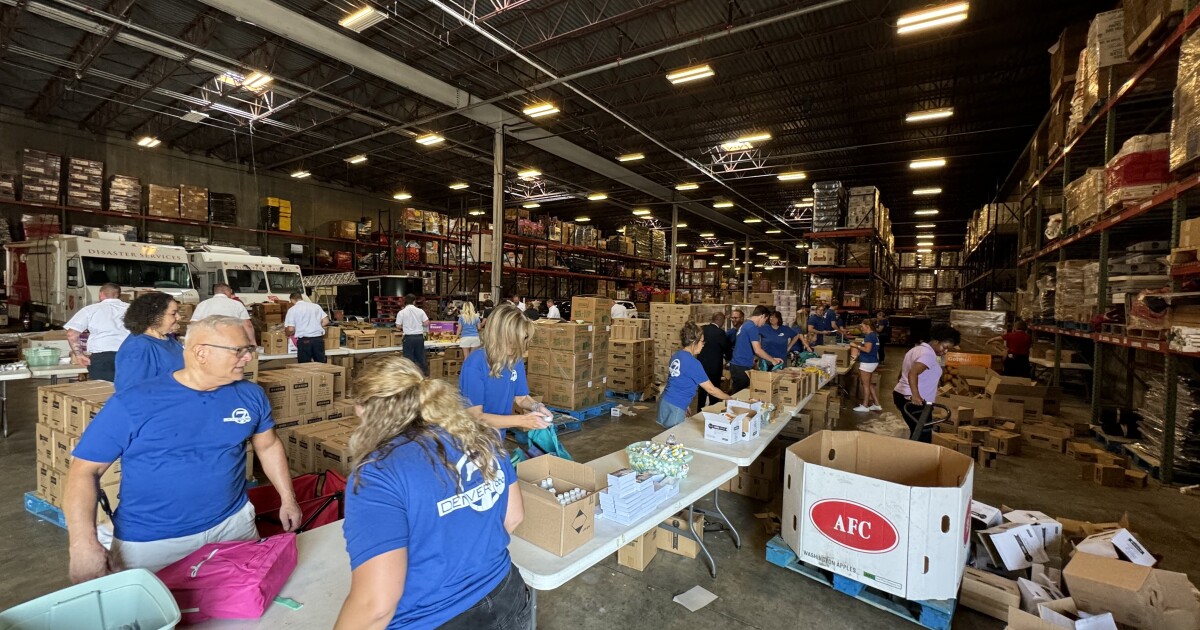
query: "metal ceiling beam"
313, 35
82, 56
8, 21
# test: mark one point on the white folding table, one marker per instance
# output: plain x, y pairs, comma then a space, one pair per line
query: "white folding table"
55, 372
5, 377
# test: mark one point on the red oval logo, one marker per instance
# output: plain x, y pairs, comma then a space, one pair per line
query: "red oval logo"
854, 526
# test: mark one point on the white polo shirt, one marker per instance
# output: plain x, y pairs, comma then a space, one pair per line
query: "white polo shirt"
220, 304
411, 320
104, 322
306, 318
553, 313
619, 311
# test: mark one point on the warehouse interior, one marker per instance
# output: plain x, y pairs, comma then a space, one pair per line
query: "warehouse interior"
995, 167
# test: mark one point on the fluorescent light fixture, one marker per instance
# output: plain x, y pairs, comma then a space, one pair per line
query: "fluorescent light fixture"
932, 18
597, 197
194, 116
630, 157
529, 173
929, 114
928, 163
925, 213
582, 219
773, 232
357, 159
702, 250
707, 235
726, 267
799, 245
736, 146
713, 263
459, 186
728, 243
924, 237
476, 213
401, 196
641, 212
537, 110
362, 19
687, 186
257, 80
680, 244
927, 191
300, 174
680, 225
531, 205
723, 204
719, 255
924, 250
758, 136
925, 226
694, 73
148, 142
773, 257
752, 220
761, 254
430, 139
792, 176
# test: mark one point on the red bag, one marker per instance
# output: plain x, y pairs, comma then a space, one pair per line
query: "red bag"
231, 580
320, 497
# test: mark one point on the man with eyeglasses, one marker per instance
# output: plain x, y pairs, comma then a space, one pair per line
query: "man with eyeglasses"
306, 321
181, 441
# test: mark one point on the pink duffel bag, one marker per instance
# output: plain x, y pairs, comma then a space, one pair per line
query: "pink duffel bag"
231, 580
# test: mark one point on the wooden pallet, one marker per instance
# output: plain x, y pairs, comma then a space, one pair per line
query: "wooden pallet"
1113, 329
1145, 333
1112, 443
42, 509
934, 614
637, 396
1138, 456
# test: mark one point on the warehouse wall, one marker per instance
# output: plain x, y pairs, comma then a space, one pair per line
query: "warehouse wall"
313, 203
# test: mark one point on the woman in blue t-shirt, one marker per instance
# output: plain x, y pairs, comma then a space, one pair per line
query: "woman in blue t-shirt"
150, 350
431, 503
493, 381
868, 361
685, 375
468, 329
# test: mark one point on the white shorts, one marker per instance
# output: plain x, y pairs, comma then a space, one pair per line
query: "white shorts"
867, 367
157, 554
468, 342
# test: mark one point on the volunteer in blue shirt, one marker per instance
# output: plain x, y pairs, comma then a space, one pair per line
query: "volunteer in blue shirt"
431, 502
685, 374
493, 381
833, 322
817, 325
747, 346
868, 362
778, 339
150, 350
736, 319
468, 329
181, 438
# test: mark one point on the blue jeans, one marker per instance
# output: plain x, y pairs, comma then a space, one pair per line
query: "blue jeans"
508, 607
669, 415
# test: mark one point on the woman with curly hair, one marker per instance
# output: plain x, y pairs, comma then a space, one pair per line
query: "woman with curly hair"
149, 351
431, 503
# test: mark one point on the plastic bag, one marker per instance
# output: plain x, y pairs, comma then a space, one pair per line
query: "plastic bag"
545, 442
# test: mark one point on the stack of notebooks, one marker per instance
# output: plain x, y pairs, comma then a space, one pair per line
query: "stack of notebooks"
631, 496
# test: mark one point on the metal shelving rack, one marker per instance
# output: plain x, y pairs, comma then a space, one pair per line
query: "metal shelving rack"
1123, 114
881, 272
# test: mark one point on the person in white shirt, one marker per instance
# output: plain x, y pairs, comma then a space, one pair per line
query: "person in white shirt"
619, 311
223, 304
104, 322
413, 322
552, 309
306, 321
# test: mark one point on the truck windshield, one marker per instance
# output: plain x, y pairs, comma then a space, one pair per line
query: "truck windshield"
285, 282
136, 273
246, 280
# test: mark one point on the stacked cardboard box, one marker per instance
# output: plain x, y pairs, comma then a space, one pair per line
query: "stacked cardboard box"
41, 176
760, 479
860, 213
312, 416
64, 411
222, 208
568, 364
276, 214
8, 185
630, 364
162, 201
629, 329
85, 183
193, 202
665, 322
124, 194
447, 364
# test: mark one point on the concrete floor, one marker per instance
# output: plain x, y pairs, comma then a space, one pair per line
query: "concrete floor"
752, 593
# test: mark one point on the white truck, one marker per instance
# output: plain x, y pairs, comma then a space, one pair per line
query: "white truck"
49, 280
254, 279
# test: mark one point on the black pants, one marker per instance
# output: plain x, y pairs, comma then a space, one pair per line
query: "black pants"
900, 402
414, 350
714, 377
882, 345
508, 607
1016, 365
103, 366
740, 377
310, 350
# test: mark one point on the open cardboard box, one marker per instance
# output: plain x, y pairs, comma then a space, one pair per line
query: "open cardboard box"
559, 529
1059, 614
1137, 596
890, 513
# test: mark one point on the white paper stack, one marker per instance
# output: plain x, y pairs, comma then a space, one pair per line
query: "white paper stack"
630, 496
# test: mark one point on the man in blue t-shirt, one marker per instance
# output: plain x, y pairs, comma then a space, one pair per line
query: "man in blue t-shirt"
833, 322
747, 346
818, 324
736, 319
181, 440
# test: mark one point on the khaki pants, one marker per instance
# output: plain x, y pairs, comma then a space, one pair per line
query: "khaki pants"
157, 554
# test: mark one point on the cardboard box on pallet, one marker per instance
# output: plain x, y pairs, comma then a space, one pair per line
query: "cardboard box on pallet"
863, 506
193, 202
161, 201
336, 372
559, 529
592, 310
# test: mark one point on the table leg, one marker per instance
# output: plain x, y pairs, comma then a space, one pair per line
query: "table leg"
4, 405
54, 379
533, 611
737, 540
712, 564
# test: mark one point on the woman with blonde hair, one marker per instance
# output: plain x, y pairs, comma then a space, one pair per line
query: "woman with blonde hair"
431, 504
467, 328
493, 381
685, 374
868, 362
